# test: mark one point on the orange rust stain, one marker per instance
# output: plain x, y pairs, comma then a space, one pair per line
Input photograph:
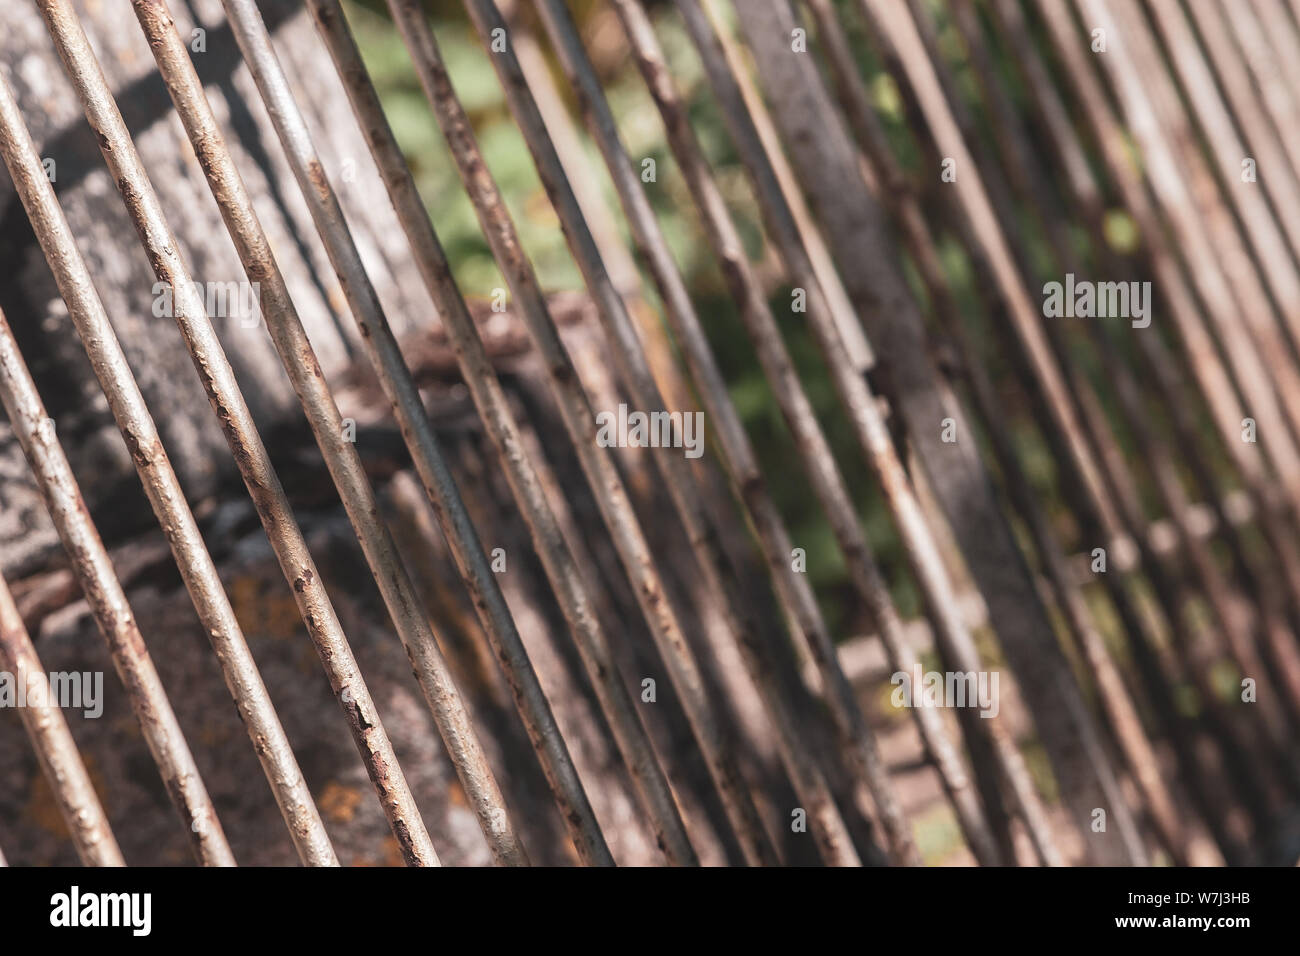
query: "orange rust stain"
338, 803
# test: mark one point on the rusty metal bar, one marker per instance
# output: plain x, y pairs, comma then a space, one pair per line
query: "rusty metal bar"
1267, 242
567, 580
900, 197
829, 171
250, 454
286, 328
1110, 511
436, 682
834, 840
1260, 116
1222, 279
1204, 360
579, 418
851, 387
198, 571
90, 561
1239, 630
817, 454
45, 724
858, 402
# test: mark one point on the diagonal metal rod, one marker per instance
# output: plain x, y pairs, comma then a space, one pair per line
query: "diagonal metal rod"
1239, 630
900, 197
1267, 242
567, 580
45, 725
1204, 359
1122, 508
1224, 280
1208, 368
1110, 506
89, 559
851, 387
579, 418
738, 453
286, 328
255, 465
430, 463
828, 827
199, 573
829, 171
341, 458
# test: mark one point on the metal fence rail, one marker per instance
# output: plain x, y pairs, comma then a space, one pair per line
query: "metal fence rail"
1101, 668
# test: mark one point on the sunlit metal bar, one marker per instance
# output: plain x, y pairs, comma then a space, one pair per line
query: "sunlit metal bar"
286, 329
57, 751
828, 826
854, 395
898, 195
859, 751
1203, 357
1157, 88
166, 496
255, 466
1024, 178
579, 418
567, 580
89, 559
358, 497
829, 172
1028, 178
1112, 505
1228, 298
1267, 242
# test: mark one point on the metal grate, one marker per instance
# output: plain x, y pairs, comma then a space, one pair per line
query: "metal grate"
907, 371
